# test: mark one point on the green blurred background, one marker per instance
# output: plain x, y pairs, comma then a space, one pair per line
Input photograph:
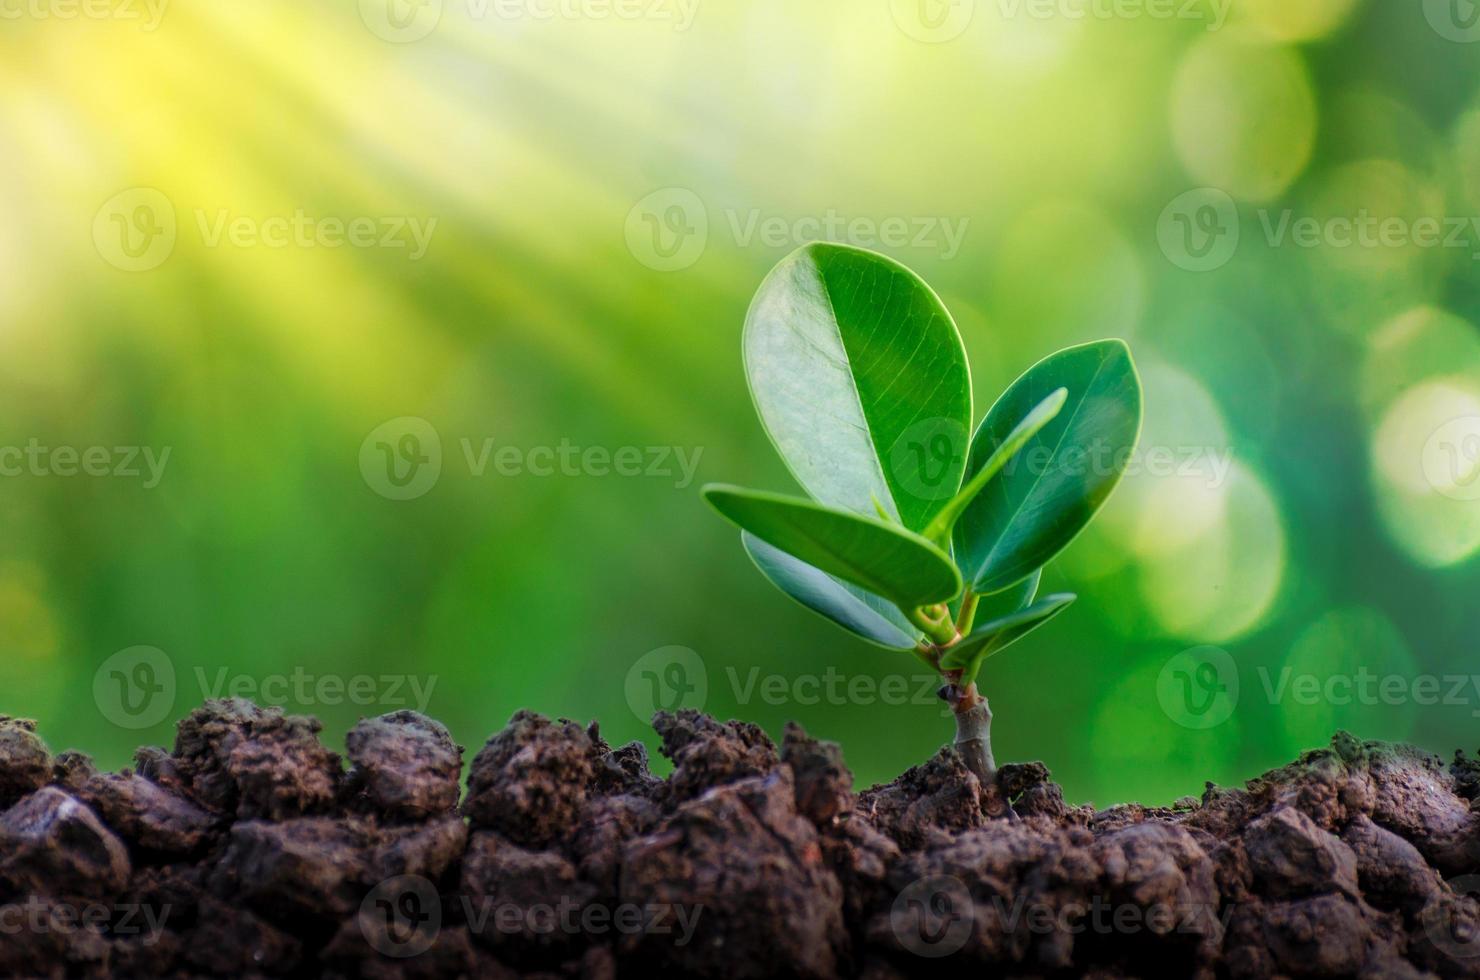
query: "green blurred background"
609, 182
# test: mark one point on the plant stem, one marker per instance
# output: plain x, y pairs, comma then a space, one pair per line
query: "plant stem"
967, 616
935, 623
974, 733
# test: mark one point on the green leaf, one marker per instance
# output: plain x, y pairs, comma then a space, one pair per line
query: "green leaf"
1043, 413
1009, 600
860, 379
857, 611
998, 634
1049, 491
883, 558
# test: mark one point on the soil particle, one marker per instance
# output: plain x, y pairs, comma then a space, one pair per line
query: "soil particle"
70, 769
236, 758
250, 850
604, 831
530, 781
1466, 773
52, 844
1291, 857
708, 753
1391, 871
770, 908
824, 786
928, 802
523, 903
405, 764
148, 817
25, 764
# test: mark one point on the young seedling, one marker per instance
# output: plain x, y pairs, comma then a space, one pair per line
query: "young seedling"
913, 540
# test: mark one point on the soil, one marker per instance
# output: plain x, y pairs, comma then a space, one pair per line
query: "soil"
253, 850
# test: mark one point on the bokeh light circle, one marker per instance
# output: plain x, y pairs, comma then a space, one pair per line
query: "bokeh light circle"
1333, 678
1467, 155
1305, 20
1418, 344
1375, 240
1171, 495
1419, 455
1243, 116
1221, 584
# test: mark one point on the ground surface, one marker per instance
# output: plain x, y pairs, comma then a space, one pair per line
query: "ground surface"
251, 849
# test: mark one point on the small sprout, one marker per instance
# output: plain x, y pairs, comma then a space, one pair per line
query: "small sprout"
856, 370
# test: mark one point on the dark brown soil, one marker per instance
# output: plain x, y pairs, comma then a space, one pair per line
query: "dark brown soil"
252, 850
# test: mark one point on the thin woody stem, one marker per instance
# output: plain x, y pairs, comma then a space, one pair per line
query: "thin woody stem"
974, 734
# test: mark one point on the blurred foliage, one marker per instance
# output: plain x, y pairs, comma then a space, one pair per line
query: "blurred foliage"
608, 192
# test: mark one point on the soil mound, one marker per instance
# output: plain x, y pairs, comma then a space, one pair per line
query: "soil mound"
251, 849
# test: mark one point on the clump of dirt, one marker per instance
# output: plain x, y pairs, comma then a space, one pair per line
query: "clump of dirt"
250, 849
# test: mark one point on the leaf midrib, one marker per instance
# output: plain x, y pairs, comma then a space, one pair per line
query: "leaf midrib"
1069, 424
832, 312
